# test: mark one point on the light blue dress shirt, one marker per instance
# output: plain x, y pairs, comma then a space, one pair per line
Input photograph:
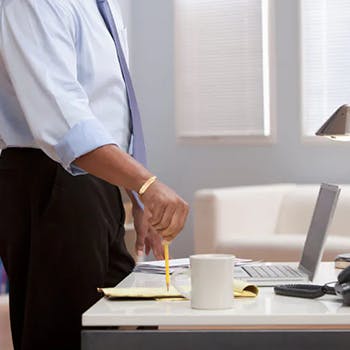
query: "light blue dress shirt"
61, 87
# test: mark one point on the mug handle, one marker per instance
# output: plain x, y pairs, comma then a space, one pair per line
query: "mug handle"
181, 290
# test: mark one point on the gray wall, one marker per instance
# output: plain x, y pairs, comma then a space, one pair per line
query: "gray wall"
125, 6
189, 167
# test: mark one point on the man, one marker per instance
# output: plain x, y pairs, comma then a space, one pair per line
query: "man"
68, 118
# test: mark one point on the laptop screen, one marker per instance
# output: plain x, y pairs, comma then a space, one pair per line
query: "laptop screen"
321, 219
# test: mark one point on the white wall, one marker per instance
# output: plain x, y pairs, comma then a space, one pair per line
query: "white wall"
125, 6
188, 167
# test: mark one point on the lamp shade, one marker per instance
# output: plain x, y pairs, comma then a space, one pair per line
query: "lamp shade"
338, 125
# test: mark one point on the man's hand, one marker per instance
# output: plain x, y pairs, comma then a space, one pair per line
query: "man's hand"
165, 211
147, 238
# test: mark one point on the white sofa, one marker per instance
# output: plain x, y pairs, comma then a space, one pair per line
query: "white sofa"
267, 222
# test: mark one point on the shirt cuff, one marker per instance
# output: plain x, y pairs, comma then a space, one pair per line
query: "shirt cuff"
83, 138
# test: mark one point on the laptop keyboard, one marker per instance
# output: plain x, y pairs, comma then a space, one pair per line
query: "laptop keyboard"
272, 271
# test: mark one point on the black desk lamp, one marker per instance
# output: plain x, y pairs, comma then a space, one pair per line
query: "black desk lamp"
337, 127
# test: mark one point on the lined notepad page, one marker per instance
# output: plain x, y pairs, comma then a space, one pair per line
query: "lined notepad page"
221, 68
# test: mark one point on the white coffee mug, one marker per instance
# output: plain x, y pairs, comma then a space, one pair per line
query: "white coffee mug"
211, 281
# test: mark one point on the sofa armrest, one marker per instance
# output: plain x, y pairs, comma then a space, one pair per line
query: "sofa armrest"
205, 221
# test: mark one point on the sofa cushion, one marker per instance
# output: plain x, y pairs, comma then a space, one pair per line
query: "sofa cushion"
251, 209
298, 205
296, 210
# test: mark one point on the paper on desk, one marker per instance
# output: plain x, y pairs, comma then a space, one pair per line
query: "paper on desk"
240, 289
158, 267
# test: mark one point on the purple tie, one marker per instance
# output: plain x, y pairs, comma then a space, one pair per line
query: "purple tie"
138, 143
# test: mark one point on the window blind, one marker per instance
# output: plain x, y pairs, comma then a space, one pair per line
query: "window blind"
221, 68
325, 45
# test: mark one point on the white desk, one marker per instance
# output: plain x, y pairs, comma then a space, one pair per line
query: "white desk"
265, 320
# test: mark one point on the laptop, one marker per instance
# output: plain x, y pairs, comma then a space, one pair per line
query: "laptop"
269, 274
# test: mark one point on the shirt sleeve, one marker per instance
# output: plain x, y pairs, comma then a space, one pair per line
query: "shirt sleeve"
37, 39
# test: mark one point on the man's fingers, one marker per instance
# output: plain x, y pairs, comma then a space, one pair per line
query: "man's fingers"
140, 242
166, 219
156, 243
147, 215
158, 253
157, 214
177, 223
160, 248
148, 245
157, 246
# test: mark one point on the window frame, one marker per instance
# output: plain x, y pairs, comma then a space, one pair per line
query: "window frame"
312, 140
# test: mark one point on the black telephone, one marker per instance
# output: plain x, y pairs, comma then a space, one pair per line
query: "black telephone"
341, 288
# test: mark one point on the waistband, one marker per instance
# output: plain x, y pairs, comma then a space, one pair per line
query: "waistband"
13, 150
19, 154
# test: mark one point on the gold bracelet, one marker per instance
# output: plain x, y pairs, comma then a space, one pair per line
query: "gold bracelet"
147, 184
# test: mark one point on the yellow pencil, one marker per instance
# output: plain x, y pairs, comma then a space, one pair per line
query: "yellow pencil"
166, 256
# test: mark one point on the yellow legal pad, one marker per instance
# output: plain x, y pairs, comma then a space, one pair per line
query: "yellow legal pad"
240, 289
